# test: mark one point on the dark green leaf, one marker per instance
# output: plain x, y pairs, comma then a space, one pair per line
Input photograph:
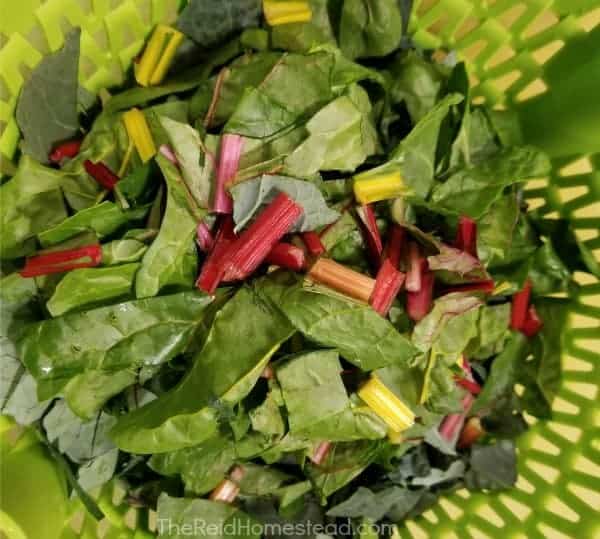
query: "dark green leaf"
370, 27
177, 516
103, 219
31, 202
47, 107
80, 441
336, 323
171, 260
302, 36
341, 137
416, 82
91, 286
121, 336
209, 22
122, 252
504, 373
375, 505
201, 467
244, 336
473, 190
492, 467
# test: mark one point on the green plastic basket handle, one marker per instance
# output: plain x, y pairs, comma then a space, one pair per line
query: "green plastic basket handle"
514, 49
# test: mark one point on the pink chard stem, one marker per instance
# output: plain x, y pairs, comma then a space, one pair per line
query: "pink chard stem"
229, 161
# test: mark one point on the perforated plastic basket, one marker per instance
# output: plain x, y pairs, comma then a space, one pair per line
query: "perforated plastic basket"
538, 57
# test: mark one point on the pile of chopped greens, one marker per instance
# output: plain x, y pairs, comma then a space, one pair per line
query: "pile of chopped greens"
292, 278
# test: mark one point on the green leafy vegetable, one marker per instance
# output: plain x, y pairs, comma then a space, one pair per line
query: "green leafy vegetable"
31, 202
47, 107
209, 22
222, 370
171, 259
121, 336
90, 286
492, 467
197, 175
370, 27
122, 252
473, 190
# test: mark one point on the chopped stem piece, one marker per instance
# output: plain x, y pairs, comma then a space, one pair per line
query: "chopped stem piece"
249, 251
139, 133
394, 246
313, 243
229, 160
277, 12
226, 492
167, 151
371, 234
387, 285
342, 279
533, 323
65, 150
212, 270
61, 261
320, 453
471, 433
204, 237
369, 188
386, 405
102, 174
158, 55
520, 303
419, 303
470, 385
288, 256
466, 236
452, 424
416, 267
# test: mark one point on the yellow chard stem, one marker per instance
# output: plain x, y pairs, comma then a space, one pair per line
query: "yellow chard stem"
158, 55
342, 279
277, 12
386, 405
139, 133
369, 188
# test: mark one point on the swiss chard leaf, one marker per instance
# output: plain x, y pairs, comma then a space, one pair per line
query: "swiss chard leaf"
369, 27
492, 467
335, 323
80, 440
209, 22
341, 137
503, 374
542, 376
176, 515
316, 400
197, 169
91, 286
171, 260
454, 266
123, 251
473, 190
47, 107
201, 467
120, 336
250, 196
224, 369
31, 202
302, 36
103, 219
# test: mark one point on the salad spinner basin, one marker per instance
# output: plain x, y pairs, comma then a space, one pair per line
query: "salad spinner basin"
540, 58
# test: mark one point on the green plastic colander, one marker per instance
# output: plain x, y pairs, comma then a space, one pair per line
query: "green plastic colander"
540, 58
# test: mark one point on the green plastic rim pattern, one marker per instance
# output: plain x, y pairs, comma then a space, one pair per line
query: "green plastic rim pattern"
540, 58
